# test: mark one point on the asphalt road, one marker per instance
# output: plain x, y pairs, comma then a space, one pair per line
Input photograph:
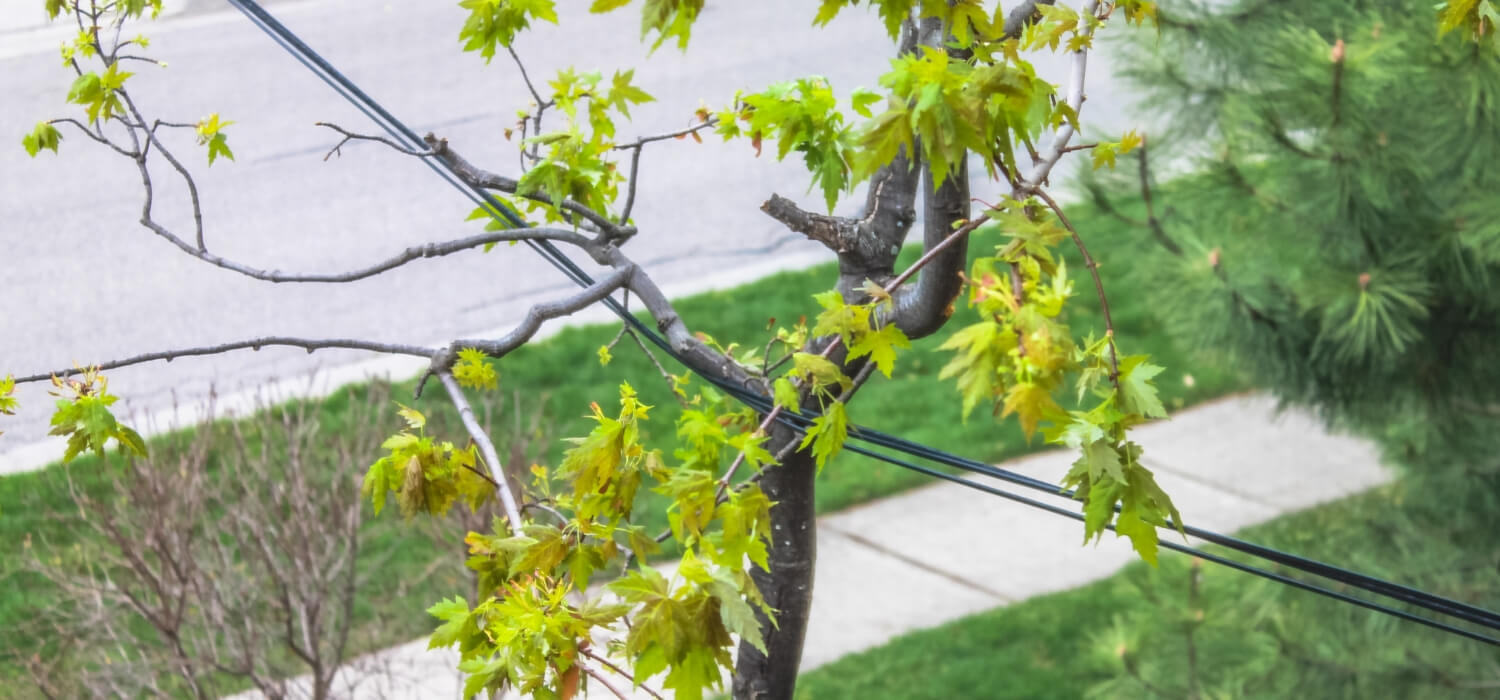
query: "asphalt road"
82, 282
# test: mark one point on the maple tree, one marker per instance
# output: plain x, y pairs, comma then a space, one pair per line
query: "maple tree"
960, 90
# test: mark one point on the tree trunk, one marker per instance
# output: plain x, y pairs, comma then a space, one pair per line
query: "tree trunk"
788, 586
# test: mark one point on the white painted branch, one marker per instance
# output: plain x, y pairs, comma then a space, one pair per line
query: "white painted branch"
1059, 145
487, 448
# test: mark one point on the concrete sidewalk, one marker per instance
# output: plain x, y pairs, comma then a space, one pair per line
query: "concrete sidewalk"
934, 554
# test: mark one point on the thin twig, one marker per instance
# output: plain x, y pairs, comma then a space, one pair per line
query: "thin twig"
351, 136
611, 666
1088, 261
487, 448
444, 359
596, 675
307, 344
933, 252
635, 161
740, 458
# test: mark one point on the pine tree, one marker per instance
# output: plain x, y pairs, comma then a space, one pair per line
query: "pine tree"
1339, 236
1332, 228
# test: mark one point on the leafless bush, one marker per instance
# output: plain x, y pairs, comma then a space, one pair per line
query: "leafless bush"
227, 562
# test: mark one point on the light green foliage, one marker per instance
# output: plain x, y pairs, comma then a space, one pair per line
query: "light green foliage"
427, 476
210, 134
1105, 152
8, 403
128, 8
1478, 18
803, 116
1019, 356
83, 415
954, 107
536, 617
966, 19
669, 19
98, 92
495, 23
828, 433
474, 371
577, 161
43, 136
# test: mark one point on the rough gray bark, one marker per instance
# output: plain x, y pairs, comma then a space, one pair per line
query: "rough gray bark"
788, 586
867, 248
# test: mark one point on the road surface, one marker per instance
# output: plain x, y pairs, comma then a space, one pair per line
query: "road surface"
84, 283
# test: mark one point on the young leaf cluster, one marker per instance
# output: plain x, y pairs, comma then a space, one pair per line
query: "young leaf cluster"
83, 415
1020, 354
426, 475
537, 620
494, 23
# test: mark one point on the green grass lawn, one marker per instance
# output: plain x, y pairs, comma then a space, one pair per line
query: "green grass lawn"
1109, 639
557, 379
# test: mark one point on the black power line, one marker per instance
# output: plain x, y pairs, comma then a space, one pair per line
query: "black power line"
404, 135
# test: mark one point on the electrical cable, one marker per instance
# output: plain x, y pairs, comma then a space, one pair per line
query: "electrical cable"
402, 134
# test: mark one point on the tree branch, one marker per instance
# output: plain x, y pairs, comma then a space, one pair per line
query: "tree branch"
611, 666
493, 181
487, 448
1088, 261
1154, 223
1022, 15
635, 159
443, 360
430, 250
351, 136
924, 308
1075, 98
307, 344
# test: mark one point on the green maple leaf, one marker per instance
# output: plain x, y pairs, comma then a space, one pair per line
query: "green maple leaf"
1143, 538
827, 434
1137, 392
474, 371
786, 394
455, 615
43, 136
1030, 402
881, 346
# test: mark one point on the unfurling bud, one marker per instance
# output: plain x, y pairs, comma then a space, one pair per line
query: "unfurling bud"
1337, 53
1213, 258
1364, 281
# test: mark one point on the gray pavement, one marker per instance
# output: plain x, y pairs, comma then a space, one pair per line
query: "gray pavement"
934, 554
84, 283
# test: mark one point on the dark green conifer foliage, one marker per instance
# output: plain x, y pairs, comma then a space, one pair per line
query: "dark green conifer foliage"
1339, 231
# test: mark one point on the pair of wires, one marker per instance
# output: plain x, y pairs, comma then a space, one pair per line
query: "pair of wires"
870, 438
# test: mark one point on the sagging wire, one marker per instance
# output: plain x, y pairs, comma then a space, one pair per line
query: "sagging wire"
500, 210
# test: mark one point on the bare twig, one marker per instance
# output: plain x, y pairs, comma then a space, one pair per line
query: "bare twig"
1055, 151
307, 344
1151, 220
1088, 261
487, 448
97, 135
351, 136
596, 675
635, 161
443, 359
611, 666
933, 252
484, 179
